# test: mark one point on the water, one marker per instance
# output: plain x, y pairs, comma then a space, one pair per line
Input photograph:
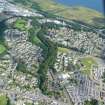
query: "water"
93, 4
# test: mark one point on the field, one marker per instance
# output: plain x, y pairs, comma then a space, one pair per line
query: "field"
20, 24
63, 50
87, 63
3, 100
2, 49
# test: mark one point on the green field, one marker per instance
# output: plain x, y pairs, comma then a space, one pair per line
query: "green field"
63, 50
87, 63
2, 49
20, 24
3, 100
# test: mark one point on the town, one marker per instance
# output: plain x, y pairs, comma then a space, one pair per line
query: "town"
45, 61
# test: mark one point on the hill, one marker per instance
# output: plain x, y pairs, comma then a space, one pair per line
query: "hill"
83, 14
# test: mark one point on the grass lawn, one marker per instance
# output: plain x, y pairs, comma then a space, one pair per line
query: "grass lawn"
63, 50
2, 49
87, 63
3, 100
20, 24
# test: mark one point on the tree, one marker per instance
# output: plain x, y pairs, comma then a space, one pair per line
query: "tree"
92, 102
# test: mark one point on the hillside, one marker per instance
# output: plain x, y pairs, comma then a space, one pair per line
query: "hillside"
71, 13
